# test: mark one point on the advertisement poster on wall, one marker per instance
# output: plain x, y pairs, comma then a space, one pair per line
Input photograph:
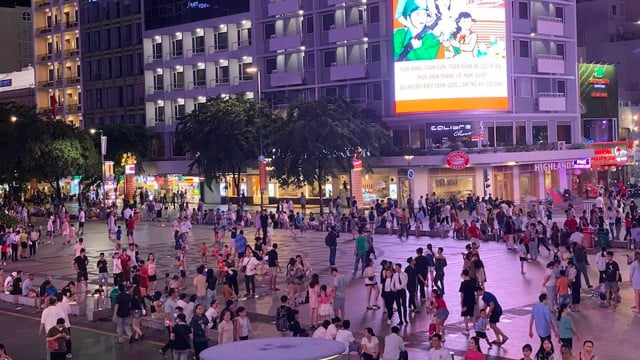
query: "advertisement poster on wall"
449, 55
598, 91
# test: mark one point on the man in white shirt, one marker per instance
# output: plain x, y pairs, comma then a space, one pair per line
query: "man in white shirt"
399, 288
127, 213
49, 316
250, 264
321, 332
437, 351
332, 330
599, 203
393, 345
577, 236
345, 336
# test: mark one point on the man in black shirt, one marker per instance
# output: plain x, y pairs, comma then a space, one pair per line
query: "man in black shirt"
274, 266
103, 271
16, 285
80, 264
422, 272
412, 284
121, 314
611, 278
264, 223
467, 291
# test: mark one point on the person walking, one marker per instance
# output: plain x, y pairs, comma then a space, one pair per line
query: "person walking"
634, 276
580, 257
494, 312
200, 286
359, 251
339, 293
181, 337
543, 320
331, 240
371, 284
274, 266
399, 288
225, 328
422, 271
412, 284
440, 262
121, 315
200, 328
468, 300
57, 338
248, 267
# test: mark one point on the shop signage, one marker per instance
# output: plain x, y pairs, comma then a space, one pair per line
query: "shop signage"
551, 166
598, 91
582, 163
6, 83
130, 169
262, 176
454, 132
411, 174
357, 164
614, 153
457, 160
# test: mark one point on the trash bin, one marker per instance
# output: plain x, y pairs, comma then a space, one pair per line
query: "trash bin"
602, 238
587, 237
112, 295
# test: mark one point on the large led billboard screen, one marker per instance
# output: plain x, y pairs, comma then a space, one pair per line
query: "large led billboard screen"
598, 91
449, 55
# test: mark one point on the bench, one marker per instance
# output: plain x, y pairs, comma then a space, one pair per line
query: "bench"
12, 299
27, 301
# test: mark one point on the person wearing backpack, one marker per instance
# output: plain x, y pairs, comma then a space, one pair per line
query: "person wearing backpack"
331, 240
284, 315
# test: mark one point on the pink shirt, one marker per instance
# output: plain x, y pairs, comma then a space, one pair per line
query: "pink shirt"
325, 298
473, 355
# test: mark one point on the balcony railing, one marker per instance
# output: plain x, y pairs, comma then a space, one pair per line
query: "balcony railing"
72, 52
71, 24
73, 80
178, 86
74, 107
46, 83
43, 30
43, 3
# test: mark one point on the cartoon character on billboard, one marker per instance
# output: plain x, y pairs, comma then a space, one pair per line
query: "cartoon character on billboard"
416, 40
465, 40
445, 28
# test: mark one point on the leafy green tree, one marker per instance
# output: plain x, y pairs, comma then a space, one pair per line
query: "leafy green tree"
224, 136
320, 138
125, 138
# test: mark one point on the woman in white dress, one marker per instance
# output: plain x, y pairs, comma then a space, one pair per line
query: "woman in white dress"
111, 225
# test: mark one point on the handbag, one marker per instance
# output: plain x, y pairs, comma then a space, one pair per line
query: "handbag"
52, 345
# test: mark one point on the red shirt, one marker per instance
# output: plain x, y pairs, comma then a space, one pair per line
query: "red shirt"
144, 277
124, 260
474, 231
571, 225
131, 225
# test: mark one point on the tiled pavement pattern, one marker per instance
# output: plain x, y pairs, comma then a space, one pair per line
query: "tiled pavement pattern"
515, 293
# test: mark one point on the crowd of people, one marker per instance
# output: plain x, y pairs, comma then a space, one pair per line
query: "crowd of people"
191, 311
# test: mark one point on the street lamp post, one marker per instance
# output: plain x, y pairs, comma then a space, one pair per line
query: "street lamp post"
103, 150
261, 158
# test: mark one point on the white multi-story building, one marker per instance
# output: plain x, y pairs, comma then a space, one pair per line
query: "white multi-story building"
191, 53
313, 49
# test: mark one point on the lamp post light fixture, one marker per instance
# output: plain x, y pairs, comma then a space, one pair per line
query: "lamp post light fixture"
103, 150
261, 158
255, 70
13, 118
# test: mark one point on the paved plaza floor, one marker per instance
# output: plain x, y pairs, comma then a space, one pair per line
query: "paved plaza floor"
614, 330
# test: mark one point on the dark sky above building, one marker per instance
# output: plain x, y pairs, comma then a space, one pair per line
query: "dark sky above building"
14, 3
163, 13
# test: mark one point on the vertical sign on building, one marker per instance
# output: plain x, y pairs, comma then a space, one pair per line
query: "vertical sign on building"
356, 182
449, 55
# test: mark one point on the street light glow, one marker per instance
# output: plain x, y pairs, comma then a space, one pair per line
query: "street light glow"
252, 70
13, 118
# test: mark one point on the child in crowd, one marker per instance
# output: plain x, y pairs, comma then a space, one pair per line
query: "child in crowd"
203, 253
481, 327
119, 233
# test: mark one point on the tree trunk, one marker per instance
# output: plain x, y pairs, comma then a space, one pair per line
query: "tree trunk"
320, 194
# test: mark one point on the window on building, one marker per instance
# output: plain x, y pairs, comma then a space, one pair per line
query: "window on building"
328, 21
197, 43
521, 133
504, 135
158, 82
157, 51
309, 61
270, 65
375, 53
178, 78
614, 10
129, 95
523, 10
329, 58
308, 24
244, 74
178, 149
244, 37
157, 146
374, 14
176, 47
376, 92
331, 92
524, 48
401, 138
221, 40
199, 77
560, 49
564, 133
159, 113
560, 12
540, 134
269, 31
561, 86
115, 36
524, 87
222, 74
127, 35
116, 66
179, 109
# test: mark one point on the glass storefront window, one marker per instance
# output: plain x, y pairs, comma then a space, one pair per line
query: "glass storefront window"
521, 134
504, 135
564, 133
453, 186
